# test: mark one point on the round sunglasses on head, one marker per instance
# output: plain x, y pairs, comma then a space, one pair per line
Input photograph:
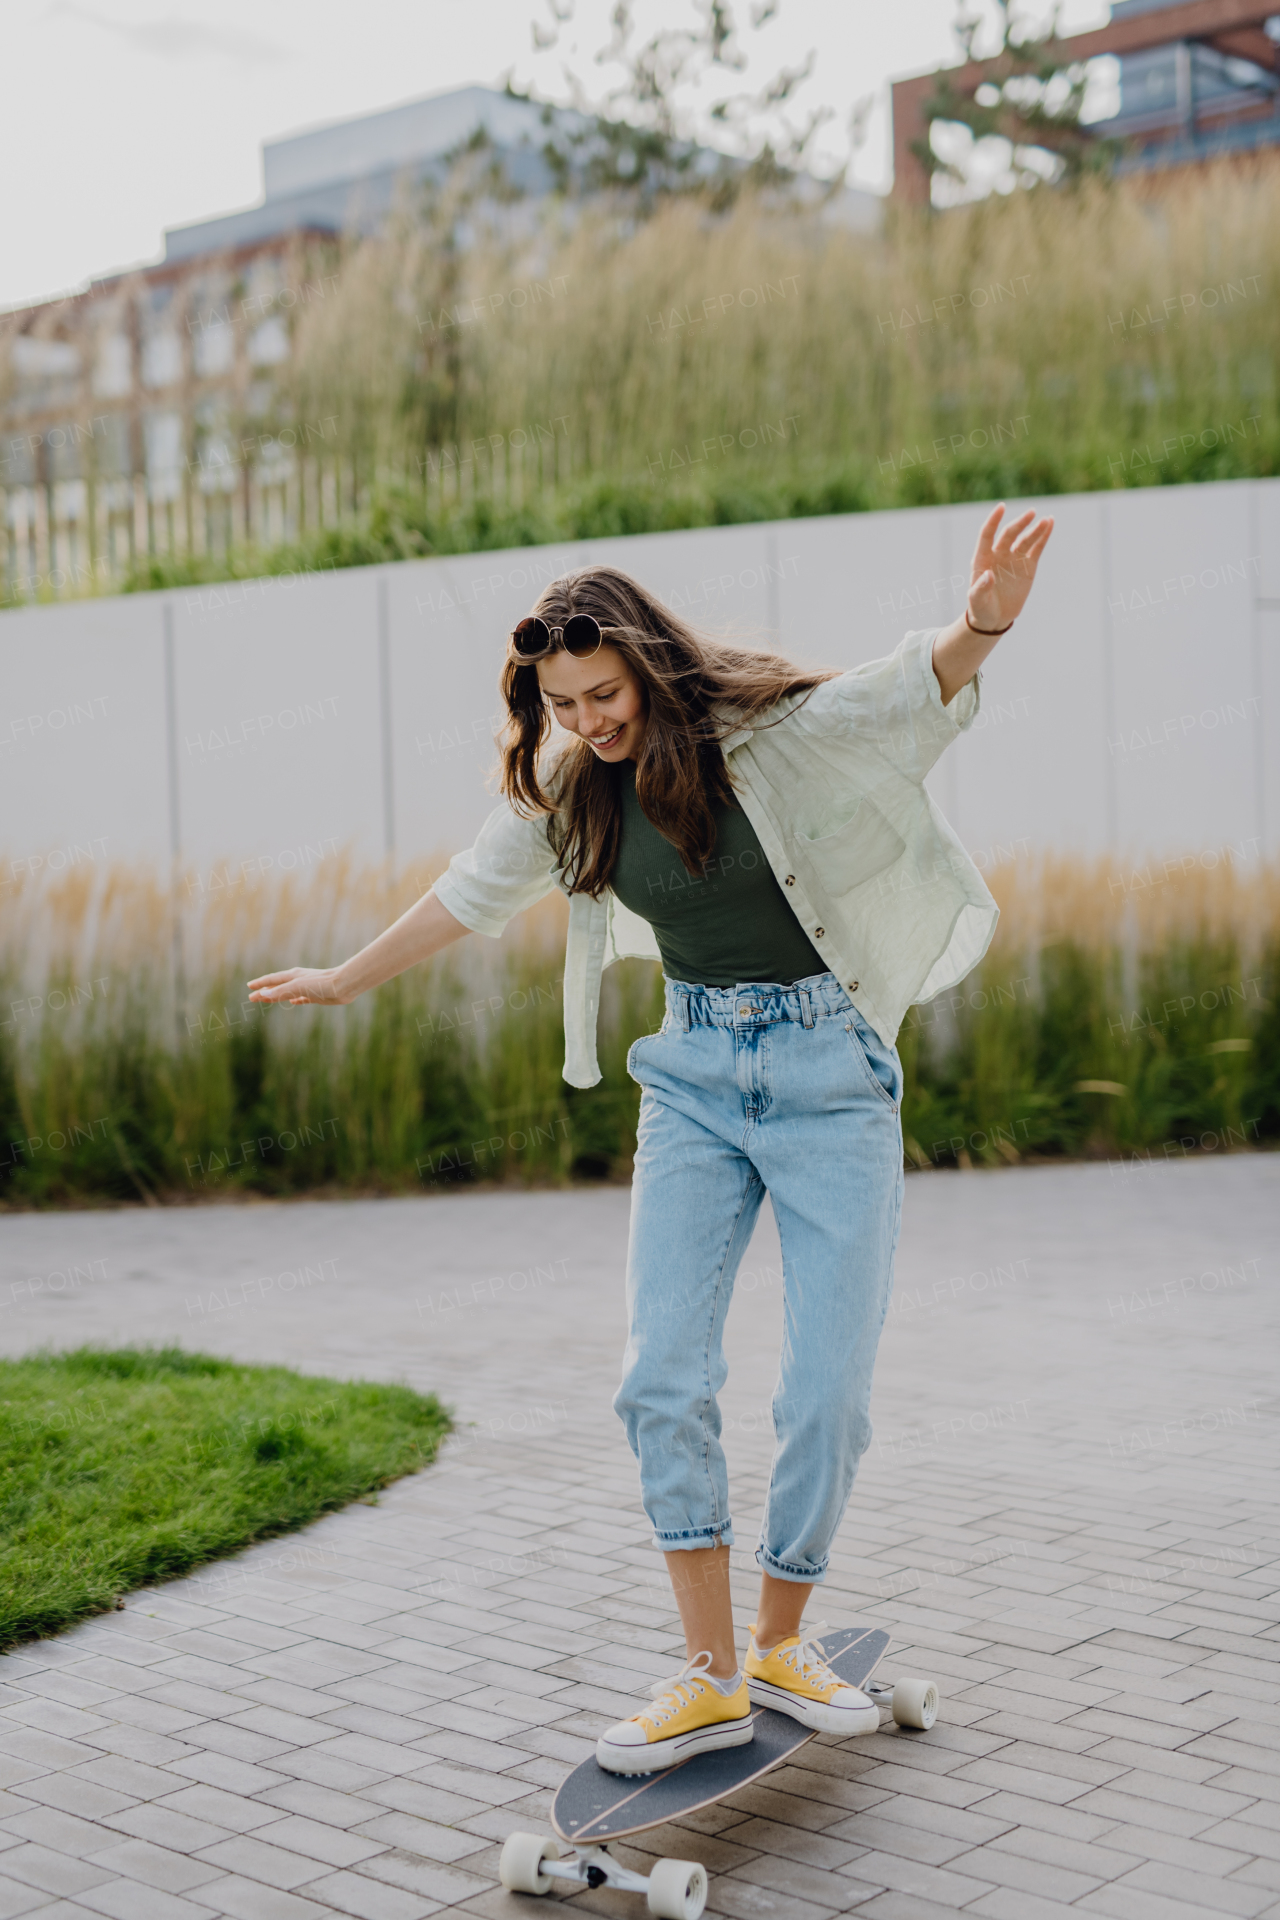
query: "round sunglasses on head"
581, 636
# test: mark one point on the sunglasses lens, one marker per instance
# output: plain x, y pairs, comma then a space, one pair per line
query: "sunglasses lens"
531, 637
581, 635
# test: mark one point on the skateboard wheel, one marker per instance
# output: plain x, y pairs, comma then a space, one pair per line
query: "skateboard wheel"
915, 1703
520, 1863
677, 1889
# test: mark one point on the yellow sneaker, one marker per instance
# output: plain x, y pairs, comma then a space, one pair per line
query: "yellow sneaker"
689, 1715
794, 1678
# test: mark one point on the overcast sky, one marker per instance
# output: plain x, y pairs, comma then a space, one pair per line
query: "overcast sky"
123, 117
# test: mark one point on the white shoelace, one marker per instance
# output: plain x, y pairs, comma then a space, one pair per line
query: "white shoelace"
808, 1658
670, 1696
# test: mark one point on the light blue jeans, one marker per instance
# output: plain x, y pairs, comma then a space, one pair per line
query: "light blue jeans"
747, 1088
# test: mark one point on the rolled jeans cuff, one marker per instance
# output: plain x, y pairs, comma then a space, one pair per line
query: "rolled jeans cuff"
695, 1539
808, 1576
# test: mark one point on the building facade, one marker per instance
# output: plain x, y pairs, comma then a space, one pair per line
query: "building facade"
1189, 99
144, 417
148, 415
1198, 79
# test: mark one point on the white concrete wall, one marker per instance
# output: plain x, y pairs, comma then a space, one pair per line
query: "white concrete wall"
1134, 708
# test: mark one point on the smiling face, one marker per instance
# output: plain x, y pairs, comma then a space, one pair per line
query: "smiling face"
599, 698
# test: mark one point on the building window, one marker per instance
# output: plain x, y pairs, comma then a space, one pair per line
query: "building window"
162, 360
216, 458
163, 434
214, 349
63, 443
111, 444
36, 359
17, 460
70, 501
113, 369
269, 343
46, 370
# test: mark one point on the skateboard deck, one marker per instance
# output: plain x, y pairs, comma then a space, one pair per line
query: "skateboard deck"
593, 1806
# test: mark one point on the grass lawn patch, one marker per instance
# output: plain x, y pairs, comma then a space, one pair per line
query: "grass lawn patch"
122, 1468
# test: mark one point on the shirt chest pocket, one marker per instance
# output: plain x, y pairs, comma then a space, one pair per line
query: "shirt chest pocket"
854, 852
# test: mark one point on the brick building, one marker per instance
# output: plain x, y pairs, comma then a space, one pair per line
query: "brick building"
144, 414
1198, 79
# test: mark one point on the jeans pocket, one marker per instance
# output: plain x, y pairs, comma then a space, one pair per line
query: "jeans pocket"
880, 1064
645, 1040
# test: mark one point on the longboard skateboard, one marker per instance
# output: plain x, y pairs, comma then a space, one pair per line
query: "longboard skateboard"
594, 1807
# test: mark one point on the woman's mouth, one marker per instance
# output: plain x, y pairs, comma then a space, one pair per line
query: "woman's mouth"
605, 739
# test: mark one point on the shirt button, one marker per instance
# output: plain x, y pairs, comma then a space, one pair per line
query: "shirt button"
853, 986
790, 880
818, 932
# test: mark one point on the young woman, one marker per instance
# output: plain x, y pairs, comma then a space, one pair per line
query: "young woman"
763, 830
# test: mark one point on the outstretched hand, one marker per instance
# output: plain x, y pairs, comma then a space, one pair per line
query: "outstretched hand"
424, 929
1004, 566
300, 987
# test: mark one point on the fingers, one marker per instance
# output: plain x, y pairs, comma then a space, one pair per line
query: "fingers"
299, 987
272, 988
1010, 534
1021, 543
1032, 545
987, 533
1014, 533
1037, 534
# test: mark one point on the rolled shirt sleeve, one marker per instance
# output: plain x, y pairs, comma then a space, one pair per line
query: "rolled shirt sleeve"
510, 866
897, 704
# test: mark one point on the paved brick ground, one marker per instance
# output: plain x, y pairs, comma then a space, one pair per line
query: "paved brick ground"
1067, 1515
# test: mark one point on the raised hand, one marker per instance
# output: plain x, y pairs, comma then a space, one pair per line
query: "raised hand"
1004, 566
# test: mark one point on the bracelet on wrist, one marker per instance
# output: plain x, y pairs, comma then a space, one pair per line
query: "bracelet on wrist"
988, 633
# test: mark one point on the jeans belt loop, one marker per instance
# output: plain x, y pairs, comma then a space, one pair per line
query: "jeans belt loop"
806, 1011
686, 1019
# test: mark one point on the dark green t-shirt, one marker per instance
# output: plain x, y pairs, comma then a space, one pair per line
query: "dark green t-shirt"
732, 924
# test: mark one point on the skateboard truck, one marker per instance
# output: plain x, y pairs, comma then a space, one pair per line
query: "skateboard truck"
531, 1862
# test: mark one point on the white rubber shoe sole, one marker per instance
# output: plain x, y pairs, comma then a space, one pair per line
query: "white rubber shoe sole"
815, 1713
657, 1754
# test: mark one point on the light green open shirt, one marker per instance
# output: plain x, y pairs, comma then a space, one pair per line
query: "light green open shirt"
833, 783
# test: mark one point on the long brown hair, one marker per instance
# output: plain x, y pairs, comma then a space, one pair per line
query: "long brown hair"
697, 690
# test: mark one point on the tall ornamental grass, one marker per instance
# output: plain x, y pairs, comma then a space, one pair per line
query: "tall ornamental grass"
598, 375
1071, 328
1121, 1010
